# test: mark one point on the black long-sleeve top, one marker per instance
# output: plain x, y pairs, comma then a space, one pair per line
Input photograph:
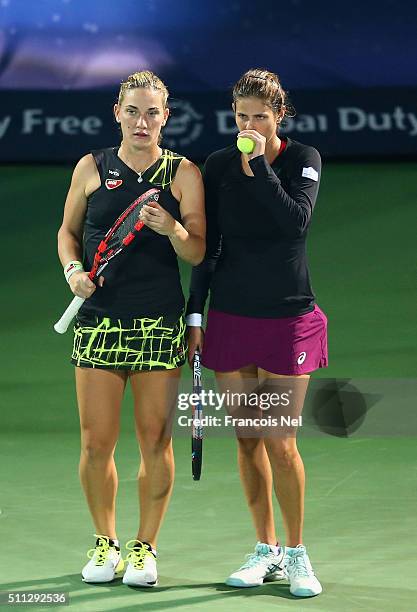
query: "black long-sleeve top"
256, 263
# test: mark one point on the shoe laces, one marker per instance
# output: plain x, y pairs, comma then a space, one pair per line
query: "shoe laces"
300, 564
259, 556
101, 549
138, 552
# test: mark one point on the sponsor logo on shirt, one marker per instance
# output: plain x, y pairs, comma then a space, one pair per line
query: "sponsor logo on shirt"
113, 183
301, 358
310, 173
114, 172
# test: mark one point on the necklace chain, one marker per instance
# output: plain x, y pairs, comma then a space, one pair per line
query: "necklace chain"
141, 172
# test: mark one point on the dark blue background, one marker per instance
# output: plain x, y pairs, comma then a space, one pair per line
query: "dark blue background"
67, 58
201, 46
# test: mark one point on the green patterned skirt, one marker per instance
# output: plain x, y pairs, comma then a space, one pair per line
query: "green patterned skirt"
134, 344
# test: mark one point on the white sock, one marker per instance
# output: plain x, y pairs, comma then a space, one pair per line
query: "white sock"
275, 549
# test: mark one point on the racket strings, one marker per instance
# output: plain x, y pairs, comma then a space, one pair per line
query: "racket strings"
122, 233
124, 229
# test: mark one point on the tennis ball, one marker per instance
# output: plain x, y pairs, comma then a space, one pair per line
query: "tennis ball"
246, 145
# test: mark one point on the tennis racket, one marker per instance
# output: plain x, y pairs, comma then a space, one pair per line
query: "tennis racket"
123, 231
197, 413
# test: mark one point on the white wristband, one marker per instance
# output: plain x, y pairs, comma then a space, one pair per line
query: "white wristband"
71, 267
194, 320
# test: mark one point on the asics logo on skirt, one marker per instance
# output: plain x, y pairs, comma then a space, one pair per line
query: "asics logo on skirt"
301, 358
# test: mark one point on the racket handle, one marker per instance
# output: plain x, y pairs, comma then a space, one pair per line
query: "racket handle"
196, 457
62, 325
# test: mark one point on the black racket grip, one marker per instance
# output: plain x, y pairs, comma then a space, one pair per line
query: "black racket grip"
196, 457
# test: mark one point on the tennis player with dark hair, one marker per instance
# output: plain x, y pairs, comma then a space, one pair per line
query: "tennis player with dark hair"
131, 327
264, 329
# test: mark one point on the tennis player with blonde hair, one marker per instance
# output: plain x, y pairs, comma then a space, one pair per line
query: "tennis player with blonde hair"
131, 326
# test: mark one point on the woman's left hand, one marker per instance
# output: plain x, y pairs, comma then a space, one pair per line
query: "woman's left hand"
258, 139
158, 219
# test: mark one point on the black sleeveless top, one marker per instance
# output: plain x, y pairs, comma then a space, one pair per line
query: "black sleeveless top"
144, 280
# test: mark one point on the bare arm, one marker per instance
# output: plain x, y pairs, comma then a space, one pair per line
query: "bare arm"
188, 237
85, 180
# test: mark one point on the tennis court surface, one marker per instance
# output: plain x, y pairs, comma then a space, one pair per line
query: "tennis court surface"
360, 526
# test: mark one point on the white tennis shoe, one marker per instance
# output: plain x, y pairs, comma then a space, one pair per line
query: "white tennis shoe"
141, 569
303, 582
262, 565
105, 561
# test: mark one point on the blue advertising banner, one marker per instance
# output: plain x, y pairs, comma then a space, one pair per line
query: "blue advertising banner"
59, 126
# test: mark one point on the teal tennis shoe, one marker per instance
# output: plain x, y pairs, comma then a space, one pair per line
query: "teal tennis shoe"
262, 565
303, 581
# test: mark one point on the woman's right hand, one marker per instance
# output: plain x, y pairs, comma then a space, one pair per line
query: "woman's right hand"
81, 284
195, 337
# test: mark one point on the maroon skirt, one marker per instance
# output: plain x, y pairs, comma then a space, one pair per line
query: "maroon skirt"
287, 346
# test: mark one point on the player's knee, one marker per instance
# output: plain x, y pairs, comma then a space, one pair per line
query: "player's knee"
96, 450
155, 442
248, 446
282, 454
